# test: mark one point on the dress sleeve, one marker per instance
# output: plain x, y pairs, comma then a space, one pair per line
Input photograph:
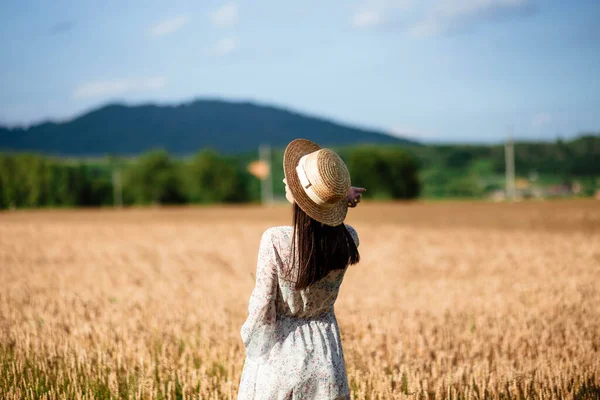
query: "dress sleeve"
258, 332
354, 234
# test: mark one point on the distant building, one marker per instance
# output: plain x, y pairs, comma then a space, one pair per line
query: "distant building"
559, 191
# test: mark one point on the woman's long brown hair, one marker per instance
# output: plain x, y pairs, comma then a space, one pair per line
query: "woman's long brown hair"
318, 249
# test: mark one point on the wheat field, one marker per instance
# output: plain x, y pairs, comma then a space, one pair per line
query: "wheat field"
450, 300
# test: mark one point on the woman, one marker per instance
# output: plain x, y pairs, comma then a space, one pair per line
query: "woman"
293, 348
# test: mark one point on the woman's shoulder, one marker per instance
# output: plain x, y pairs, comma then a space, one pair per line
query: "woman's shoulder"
282, 234
276, 230
277, 238
276, 233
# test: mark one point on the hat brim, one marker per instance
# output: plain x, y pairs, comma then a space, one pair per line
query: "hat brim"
297, 149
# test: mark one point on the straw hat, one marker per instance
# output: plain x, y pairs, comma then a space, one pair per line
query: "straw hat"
318, 180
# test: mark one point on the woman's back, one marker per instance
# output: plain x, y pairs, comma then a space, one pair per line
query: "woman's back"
314, 300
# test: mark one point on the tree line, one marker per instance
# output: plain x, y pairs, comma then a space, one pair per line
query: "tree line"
477, 170
389, 172
577, 157
155, 177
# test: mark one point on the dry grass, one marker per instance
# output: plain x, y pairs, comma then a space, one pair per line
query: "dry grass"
451, 300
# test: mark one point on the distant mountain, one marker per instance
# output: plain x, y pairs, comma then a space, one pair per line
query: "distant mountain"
183, 129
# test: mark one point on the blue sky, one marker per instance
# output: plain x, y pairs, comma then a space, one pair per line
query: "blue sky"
436, 70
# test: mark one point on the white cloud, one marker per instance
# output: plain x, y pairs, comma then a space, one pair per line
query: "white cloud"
426, 27
447, 16
434, 17
169, 26
156, 83
225, 16
540, 120
225, 46
367, 19
117, 87
374, 13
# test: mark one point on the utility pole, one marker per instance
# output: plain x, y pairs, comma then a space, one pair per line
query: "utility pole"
509, 160
266, 184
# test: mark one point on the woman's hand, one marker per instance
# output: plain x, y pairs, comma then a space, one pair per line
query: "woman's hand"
355, 195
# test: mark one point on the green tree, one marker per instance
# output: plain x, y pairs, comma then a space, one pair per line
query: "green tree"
14, 183
459, 158
387, 172
155, 178
68, 183
464, 186
212, 178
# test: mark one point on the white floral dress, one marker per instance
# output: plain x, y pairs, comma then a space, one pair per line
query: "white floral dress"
292, 339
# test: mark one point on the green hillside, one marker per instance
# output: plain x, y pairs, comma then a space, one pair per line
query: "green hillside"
184, 129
